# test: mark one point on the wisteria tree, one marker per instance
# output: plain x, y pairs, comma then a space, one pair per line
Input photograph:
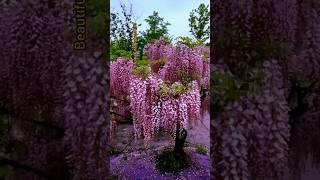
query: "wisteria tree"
164, 95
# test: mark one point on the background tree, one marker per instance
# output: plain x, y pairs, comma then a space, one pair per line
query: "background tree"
121, 33
199, 22
158, 28
190, 42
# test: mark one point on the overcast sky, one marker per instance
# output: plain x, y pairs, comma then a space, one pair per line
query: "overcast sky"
176, 12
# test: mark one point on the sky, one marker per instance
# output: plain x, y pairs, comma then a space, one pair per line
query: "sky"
176, 12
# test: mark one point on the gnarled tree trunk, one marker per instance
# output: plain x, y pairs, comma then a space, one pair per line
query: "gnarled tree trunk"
179, 141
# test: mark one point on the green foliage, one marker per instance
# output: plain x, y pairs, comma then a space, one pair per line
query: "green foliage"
185, 40
115, 54
186, 77
164, 89
167, 162
167, 38
228, 88
178, 89
143, 62
141, 71
242, 54
224, 89
141, 68
121, 33
201, 149
96, 19
244, 57
199, 22
117, 50
98, 26
157, 27
191, 43
172, 90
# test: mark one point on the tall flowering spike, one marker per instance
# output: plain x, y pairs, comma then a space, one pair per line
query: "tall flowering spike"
135, 43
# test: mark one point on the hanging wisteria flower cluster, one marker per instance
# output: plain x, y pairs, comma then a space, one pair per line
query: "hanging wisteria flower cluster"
156, 54
155, 106
182, 64
179, 62
120, 76
251, 134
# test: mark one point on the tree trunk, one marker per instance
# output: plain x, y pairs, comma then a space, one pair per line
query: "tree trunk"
179, 141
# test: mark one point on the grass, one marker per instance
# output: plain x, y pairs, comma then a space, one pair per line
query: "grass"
201, 149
